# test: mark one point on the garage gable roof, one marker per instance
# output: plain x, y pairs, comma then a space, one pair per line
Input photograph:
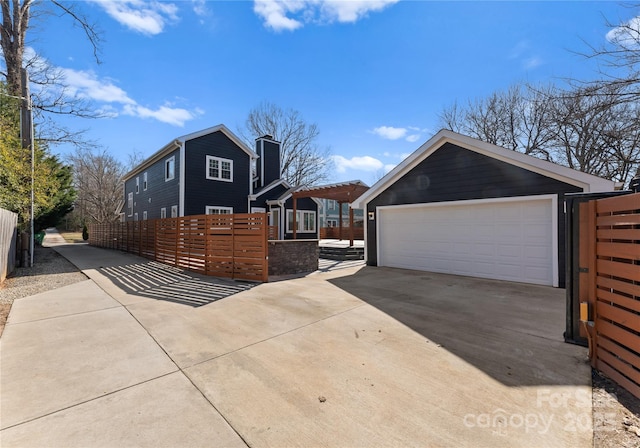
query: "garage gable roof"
588, 182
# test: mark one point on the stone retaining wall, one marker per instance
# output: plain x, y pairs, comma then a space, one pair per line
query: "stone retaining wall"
292, 256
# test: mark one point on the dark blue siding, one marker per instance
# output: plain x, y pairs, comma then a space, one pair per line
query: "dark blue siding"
200, 191
272, 194
453, 173
159, 193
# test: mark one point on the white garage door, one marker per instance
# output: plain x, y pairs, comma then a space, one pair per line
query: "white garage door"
513, 240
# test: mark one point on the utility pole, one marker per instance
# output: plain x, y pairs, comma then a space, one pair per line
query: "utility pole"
26, 135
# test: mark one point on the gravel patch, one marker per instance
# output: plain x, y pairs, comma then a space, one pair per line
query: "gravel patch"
50, 271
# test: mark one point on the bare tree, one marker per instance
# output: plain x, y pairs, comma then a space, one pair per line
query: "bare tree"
304, 163
98, 178
597, 133
516, 119
590, 128
618, 59
51, 97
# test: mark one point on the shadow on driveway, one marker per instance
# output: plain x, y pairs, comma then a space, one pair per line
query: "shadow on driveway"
510, 331
162, 282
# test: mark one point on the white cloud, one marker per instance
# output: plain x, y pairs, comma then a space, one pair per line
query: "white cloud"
144, 16
200, 8
86, 84
532, 62
352, 10
412, 138
393, 133
626, 35
108, 111
519, 49
277, 14
389, 132
388, 167
365, 163
164, 114
274, 13
522, 52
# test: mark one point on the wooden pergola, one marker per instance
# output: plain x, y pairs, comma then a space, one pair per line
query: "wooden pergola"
345, 192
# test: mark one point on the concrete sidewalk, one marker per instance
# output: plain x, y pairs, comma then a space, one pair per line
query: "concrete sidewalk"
313, 361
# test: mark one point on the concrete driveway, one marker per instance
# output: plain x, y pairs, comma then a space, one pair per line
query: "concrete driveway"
354, 357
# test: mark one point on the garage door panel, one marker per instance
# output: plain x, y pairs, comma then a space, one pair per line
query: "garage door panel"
509, 250
503, 240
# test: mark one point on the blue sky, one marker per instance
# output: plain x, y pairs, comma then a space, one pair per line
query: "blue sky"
373, 75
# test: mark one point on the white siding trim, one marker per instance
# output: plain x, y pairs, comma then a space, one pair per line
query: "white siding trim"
181, 180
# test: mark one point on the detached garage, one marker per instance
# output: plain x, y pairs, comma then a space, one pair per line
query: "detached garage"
461, 206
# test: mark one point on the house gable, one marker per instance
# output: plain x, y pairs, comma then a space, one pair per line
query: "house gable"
200, 191
585, 182
453, 173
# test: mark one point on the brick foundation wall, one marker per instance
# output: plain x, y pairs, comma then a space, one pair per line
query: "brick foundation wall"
293, 256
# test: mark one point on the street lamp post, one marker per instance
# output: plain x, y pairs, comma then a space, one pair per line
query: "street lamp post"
26, 129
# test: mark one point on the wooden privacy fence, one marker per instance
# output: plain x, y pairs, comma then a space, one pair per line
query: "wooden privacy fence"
613, 277
233, 246
334, 233
8, 224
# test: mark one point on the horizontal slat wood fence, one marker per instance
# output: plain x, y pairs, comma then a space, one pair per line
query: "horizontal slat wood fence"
233, 246
334, 233
615, 288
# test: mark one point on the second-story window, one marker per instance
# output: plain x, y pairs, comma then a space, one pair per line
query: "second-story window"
130, 203
170, 168
219, 169
144, 181
137, 185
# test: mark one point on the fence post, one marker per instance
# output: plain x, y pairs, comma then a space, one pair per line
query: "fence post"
265, 246
593, 274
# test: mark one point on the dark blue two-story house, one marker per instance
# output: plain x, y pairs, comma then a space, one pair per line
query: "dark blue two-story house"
212, 172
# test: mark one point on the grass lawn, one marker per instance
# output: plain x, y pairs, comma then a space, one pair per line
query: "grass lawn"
72, 237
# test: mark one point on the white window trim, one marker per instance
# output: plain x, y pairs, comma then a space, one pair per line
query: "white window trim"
135, 216
130, 204
137, 184
300, 220
209, 208
144, 215
220, 161
163, 212
171, 159
144, 181
174, 211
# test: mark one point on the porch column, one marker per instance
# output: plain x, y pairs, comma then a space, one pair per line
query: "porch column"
295, 213
350, 226
340, 220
